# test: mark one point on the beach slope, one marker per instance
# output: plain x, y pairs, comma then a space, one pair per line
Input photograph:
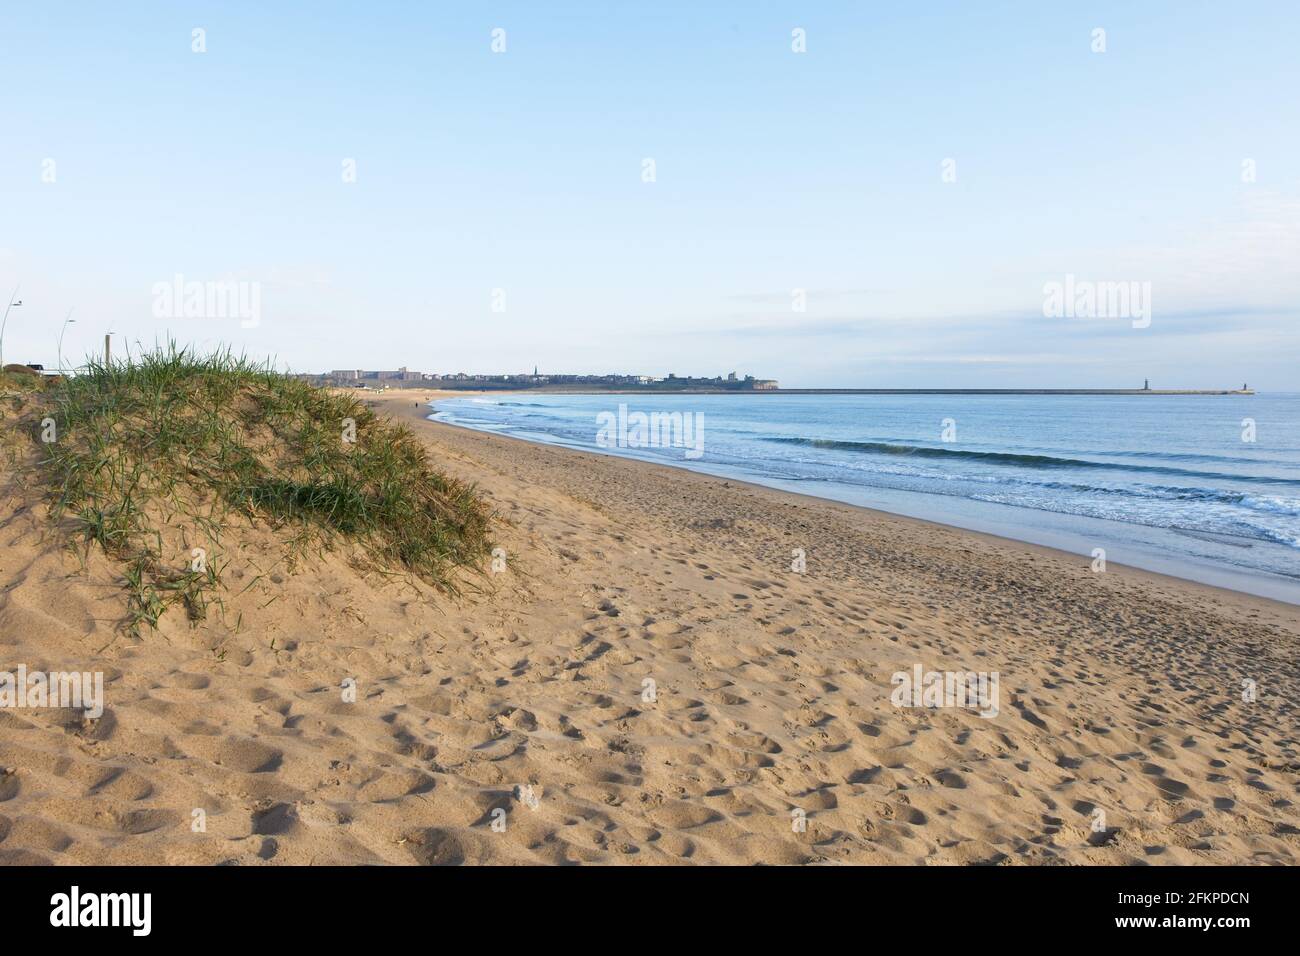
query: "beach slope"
648, 679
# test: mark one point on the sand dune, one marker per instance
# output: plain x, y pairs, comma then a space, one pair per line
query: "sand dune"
514, 725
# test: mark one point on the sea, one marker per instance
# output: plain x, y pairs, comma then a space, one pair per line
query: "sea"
1200, 487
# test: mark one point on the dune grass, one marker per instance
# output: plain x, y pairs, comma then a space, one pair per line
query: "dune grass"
173, 439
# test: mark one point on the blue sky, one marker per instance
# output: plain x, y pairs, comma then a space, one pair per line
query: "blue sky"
775, 171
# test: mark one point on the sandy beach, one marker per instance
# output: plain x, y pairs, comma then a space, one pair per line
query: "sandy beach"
648, 680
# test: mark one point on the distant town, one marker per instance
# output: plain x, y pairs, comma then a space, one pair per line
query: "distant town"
730, 383
405, 378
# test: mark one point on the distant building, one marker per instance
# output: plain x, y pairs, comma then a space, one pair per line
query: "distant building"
385, 378
400, 375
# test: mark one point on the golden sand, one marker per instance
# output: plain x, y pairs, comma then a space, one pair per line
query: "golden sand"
517, 724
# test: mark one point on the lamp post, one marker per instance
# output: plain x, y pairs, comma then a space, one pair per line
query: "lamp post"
66, 322
13, 301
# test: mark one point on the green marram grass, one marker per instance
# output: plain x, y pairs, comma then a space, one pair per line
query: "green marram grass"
174, 438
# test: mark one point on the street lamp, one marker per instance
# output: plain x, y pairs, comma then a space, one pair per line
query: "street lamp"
66, 322
13, 301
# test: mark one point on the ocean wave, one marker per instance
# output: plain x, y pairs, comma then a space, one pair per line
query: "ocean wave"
1014, 459
1272, 504
1278, 505
1212, 521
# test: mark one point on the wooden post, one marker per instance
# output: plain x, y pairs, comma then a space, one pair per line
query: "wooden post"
107, 349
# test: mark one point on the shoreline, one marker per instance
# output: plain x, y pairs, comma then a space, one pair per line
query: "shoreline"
1217, 578
1285, 609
